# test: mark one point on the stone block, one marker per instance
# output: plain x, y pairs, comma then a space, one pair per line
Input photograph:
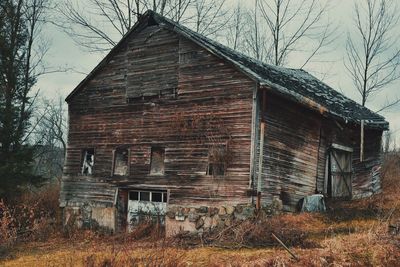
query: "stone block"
230, 209
202, 209
170, 214
199, 223
213, 211
222, 210
193, 217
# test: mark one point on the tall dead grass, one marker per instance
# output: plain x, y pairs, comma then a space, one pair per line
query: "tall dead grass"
33, 216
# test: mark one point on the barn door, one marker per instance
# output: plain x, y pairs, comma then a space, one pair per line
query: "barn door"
340, 173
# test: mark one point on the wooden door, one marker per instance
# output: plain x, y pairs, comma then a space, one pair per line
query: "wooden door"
340, 173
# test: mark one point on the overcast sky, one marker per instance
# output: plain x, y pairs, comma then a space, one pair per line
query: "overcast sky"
65, 53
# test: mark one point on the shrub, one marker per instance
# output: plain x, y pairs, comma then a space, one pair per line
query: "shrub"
8, 231
33, 216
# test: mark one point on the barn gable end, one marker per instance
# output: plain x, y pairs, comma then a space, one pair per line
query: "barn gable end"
173, 119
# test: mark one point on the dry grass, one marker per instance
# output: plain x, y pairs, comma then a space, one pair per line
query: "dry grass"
351, 234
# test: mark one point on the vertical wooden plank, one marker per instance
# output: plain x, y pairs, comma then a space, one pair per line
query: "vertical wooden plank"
128, 171
113, 162
327, 159
362, 141
261, 157
254, 120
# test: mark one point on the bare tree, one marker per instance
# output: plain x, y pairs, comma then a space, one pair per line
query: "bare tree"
209, 16
235, 30
373, 50
49, 133
295, 26
97, 25
254, 41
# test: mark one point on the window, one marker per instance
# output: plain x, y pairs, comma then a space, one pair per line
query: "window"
157, 160
87, 161
121, 162
156, 196
133, 195
145, 195
217, 158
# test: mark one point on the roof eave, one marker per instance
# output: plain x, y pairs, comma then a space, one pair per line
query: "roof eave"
311, 104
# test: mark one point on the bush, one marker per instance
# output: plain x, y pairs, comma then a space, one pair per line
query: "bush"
254, 232
8, 232
31, 217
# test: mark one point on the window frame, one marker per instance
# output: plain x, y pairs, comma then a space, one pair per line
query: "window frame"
153, 149
164, 195
211, 163
82, 159
114, 153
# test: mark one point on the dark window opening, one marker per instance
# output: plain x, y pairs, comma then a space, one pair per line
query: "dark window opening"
157, 160
217, 158
87, 161
121, 162
133, 195
216, 169
156, 196
144, 196
148, 195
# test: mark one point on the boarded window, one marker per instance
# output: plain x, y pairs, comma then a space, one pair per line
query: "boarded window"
217, 156
157, 160
87, 161
121, 162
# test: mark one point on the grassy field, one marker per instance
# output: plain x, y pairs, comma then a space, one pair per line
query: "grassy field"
354, 233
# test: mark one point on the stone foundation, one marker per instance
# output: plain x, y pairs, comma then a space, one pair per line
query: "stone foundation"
204, 218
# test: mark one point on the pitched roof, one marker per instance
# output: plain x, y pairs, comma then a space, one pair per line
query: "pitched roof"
295, 84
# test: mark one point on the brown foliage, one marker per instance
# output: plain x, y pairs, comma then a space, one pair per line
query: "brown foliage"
255, 232
34, 216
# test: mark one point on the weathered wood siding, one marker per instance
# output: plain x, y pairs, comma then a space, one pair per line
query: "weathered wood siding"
212, 104
366, 174
290, 151
296, 144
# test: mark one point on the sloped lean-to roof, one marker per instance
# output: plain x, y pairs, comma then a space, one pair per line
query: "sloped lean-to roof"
295, 84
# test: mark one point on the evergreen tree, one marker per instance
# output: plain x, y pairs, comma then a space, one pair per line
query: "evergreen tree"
16, 81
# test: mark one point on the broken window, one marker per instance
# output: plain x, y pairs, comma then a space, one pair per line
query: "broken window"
121, 162
87, 161
157, 160
217, 158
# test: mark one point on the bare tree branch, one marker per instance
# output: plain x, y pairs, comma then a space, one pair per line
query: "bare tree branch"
373, 53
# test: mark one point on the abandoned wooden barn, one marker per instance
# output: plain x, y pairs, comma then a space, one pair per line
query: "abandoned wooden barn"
173, 124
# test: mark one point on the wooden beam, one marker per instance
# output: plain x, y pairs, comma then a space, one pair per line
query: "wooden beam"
362, 142
260, 157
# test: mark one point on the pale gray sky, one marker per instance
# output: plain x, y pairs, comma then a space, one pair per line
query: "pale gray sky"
64, 52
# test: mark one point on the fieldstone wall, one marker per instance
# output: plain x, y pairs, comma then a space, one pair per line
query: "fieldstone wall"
204, 218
